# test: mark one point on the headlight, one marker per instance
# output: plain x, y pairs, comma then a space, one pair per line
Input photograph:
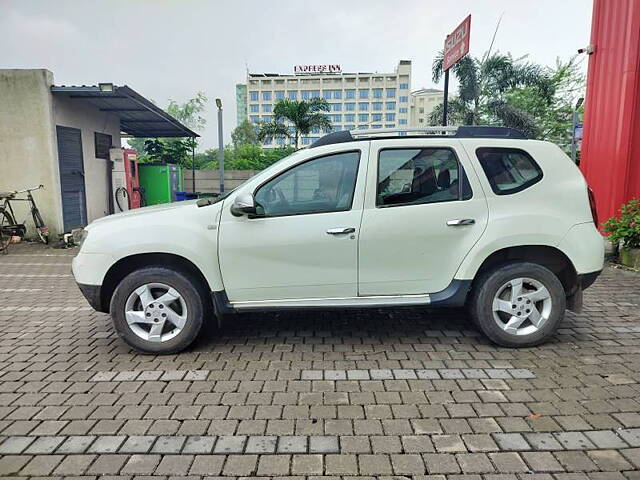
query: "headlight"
79, 236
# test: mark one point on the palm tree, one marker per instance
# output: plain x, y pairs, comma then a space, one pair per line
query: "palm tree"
484, 85
302, 115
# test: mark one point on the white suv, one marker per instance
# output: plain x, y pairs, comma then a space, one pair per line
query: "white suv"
475, 216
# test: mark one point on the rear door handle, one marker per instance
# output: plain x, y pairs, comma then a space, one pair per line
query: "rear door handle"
459, 222
341, 230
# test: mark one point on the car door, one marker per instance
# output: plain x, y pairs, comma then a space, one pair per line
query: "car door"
423, 212
302, 244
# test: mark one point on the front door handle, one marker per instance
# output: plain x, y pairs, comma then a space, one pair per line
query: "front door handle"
460, 222
341, 230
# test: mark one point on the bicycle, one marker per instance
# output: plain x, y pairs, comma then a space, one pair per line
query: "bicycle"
9, 227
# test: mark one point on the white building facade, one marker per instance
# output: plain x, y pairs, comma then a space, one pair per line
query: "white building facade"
356, 100
423, 102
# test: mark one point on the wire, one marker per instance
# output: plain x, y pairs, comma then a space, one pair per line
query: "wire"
121, 191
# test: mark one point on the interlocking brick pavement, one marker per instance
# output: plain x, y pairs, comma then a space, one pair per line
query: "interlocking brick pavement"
406, 392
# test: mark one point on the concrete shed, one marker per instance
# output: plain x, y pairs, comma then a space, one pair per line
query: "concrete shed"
60, 136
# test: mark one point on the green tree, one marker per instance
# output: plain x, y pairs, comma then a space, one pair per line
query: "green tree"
484, 91
292, 118
174, 150
244, 134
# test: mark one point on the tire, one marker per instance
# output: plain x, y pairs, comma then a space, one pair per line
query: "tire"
537, 314
5, 233
40, 227
189, 307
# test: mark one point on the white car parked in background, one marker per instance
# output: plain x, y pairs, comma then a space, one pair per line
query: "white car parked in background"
475, 216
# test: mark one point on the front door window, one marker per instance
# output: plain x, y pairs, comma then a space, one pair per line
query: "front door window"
321, 185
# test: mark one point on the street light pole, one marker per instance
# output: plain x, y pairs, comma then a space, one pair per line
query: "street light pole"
575, 119
220, 145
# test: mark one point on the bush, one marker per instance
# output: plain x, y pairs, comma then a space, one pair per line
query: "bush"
249, 157
626, 227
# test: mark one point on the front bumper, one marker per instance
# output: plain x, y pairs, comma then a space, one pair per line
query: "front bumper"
92, 294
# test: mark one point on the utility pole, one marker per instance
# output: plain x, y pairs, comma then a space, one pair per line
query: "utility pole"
445, 103
575, 119
220, 145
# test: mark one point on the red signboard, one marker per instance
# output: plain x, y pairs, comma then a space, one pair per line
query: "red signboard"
456, 45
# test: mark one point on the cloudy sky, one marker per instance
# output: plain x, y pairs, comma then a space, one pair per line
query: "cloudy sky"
169, 49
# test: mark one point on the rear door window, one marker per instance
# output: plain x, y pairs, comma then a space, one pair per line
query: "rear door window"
509, 170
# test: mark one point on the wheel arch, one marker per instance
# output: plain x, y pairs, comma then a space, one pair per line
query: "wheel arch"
128, 264
549, 257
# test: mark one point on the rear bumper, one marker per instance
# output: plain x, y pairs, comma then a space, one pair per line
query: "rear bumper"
587, 279
92, 294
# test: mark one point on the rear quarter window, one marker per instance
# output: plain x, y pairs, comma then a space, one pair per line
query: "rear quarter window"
509, 170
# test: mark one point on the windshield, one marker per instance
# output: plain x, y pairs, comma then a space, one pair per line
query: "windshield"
266, 171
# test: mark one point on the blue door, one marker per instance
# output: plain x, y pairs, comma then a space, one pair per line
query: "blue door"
74, 206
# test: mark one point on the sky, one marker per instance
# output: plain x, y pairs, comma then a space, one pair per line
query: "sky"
170, 49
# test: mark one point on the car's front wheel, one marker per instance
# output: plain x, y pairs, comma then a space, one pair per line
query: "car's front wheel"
157, 310
518, 304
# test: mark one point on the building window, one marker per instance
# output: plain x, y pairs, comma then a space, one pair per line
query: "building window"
377, 106
350, 107
391, 105
376, 117
363, 106
404, 86
349, 117
363, 117
337, 94
402, 121
266, 108
421, 120
349, 127
336, 118
315, 93
390, 125
391, 93
280, 95
267, 141
266, 96
404, 99
306, 94
376, 126
254, 118
421, 110
390, 117
326, 94
364, 93
363, 127
403, 110
377, 93
306, 140
253, 96
293, 95
254, 108
267, 118
315, 130
280, 141
102, 144
350, 93
336, 107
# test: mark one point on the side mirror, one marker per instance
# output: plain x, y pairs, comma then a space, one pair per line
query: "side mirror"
244, 204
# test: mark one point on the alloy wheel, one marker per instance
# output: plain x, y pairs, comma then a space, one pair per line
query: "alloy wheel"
156, 312
522, 306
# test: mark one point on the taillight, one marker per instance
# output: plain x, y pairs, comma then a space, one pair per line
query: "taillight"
592, 204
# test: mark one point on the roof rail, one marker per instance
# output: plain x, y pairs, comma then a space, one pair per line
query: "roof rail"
463, 131
403, 130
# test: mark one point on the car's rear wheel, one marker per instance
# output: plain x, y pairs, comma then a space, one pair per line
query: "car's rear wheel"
518, 304
158, 310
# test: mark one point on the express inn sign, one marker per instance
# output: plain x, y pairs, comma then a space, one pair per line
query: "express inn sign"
317, 69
